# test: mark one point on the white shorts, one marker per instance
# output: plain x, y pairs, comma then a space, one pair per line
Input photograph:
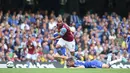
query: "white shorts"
66, 44
31, 56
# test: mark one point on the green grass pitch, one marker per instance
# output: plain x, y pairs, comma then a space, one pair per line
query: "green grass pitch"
33, 70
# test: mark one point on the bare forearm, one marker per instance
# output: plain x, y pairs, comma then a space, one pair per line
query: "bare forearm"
78, 67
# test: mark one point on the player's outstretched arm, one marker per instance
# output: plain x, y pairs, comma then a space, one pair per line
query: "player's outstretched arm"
54, 38
78, 67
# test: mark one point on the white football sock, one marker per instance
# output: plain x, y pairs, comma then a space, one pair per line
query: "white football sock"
115, 61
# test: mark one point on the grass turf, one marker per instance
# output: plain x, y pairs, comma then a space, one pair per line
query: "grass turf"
64, 70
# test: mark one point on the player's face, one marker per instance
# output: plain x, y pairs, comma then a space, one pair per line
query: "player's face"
59, 23
70, 63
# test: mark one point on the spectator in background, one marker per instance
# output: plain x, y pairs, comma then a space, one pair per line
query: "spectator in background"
74, 18
128, 41
2, 53
52, 23
98, 48
14, 20
32, 18
52, 14
80, 54
25, 26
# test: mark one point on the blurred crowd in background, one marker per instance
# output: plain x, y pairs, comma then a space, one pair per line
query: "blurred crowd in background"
103, 37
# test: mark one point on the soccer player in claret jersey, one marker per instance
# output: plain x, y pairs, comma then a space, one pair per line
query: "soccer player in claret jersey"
31, 55
66, 37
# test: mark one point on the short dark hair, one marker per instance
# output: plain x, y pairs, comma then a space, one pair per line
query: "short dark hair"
70, 59
51, 17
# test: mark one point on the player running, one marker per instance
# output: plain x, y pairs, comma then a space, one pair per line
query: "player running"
66, 37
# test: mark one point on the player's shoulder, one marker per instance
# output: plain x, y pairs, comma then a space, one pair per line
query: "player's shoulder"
79, 61
65, 25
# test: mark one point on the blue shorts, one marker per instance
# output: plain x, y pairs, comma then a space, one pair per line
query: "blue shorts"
96, 64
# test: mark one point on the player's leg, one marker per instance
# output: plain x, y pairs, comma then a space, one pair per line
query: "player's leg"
68, 52
34, 58
71, 47
28, 58
115, 61
60, 43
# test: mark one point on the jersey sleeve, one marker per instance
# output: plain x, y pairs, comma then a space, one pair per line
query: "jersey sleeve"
79, 63
63, 31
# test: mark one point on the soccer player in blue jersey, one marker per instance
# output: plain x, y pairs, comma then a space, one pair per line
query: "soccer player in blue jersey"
85, 64
71, 63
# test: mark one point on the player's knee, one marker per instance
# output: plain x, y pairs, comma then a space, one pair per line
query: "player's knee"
28, 58
34, 58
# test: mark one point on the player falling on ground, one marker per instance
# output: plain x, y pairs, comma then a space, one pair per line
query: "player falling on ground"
66, 37
71, 63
